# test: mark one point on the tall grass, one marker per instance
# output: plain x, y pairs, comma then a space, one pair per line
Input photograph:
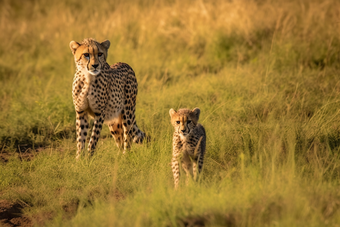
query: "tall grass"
263, 73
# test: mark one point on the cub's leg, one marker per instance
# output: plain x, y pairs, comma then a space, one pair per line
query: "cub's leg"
117, 132
175, 170
82, 126
97, 127
194, 169
187, 166
198, 157
201, 153
197, 166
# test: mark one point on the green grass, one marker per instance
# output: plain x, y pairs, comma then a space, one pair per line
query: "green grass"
264, 74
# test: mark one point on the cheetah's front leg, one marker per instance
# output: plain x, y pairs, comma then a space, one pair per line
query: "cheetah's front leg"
97, 127
82, 126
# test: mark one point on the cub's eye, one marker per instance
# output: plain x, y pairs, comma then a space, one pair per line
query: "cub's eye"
177, 122
100, 54
87, 55
188, 121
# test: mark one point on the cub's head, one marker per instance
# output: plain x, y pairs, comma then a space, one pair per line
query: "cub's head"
89, 55
184, 120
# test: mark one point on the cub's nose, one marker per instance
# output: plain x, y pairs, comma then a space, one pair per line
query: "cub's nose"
183, 130
95, 66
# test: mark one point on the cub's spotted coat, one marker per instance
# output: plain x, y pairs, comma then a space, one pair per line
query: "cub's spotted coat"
106, 93
189, 141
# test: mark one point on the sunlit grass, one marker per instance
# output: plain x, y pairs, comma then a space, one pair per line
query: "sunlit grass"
264, 74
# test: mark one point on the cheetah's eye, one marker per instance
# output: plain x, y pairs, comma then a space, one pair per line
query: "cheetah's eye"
177, 122
188, 122
87, 55
100, 54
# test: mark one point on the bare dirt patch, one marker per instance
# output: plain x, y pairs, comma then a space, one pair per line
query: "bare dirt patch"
209, 219
11, 215
4, 156
24, 153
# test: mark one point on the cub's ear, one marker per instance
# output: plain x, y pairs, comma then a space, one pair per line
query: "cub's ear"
106, 44
172, 112
197, 112
74, 46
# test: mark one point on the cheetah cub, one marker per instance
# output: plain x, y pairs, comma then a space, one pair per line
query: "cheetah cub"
189, 140
105, 93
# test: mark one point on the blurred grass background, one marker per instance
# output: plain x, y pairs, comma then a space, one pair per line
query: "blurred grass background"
264, 74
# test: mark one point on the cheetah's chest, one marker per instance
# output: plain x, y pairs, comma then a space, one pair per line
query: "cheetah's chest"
96, 98
106, 96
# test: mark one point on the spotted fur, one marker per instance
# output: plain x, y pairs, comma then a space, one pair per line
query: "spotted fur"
189, 142
105, 93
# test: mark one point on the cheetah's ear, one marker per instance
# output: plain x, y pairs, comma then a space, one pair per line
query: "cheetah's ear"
106, 44
74, 46
172, 112
197, 112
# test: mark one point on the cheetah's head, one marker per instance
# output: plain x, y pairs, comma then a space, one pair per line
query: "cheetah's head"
89, 55
184, 120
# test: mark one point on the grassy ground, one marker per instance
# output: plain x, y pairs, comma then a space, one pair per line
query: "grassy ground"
264, 74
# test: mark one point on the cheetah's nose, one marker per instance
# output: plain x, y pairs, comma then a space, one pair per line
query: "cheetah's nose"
183, 130
95, 66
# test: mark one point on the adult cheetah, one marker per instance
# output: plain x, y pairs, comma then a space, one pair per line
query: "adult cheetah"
189, 142
106, 93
